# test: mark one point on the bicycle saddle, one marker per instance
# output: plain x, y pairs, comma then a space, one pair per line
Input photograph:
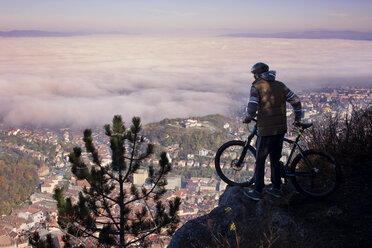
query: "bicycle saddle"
305, 125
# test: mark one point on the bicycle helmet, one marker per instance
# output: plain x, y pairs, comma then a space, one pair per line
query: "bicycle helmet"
259, 68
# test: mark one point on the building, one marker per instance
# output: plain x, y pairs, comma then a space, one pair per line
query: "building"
192, 123
190, 163
139, 178
208, 185
181, 163
174, 182
47, 188
192, 185
49, 185
43, 171
35, 215
7, 242
203, 152
37, 197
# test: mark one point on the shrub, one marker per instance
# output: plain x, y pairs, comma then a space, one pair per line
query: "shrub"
348, 136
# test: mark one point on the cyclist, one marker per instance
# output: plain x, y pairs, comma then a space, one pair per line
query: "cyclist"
268, 99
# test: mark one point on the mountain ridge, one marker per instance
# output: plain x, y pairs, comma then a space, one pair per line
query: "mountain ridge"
314, 34
311, 34
38, 33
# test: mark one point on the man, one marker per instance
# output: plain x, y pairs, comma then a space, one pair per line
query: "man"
268, 98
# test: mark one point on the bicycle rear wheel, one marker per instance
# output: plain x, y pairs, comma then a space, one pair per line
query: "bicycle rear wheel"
316, 173
227, 167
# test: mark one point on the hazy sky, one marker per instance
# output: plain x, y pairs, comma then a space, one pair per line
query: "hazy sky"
84, 81
186, 15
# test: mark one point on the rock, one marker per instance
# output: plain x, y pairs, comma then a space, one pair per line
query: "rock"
334, 211
241, 222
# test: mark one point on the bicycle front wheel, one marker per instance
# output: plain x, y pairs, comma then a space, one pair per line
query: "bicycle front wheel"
316, 173
228, 168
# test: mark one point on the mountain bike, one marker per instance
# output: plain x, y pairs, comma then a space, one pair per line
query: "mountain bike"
314, 173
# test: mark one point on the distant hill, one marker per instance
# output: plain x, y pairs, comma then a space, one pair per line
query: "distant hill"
208, 133
38, 33
316, 34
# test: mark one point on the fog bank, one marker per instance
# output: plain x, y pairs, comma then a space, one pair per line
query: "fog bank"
84, 81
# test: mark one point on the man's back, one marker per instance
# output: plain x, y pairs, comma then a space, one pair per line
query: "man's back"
271, 109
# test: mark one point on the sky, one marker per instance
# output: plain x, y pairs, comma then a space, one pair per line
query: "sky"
181, 16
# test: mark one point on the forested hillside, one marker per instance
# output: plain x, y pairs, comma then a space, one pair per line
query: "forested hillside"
38, 146
18, 179
209, 134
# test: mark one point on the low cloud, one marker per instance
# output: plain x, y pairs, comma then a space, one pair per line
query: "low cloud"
84, 81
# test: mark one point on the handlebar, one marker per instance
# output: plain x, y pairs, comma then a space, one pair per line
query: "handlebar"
303, 126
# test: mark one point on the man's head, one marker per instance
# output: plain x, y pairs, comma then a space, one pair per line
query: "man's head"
259, 68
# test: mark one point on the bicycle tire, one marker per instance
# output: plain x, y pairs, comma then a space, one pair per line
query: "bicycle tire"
229, 153
316, 173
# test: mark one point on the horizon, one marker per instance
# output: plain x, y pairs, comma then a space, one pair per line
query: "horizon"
304, 34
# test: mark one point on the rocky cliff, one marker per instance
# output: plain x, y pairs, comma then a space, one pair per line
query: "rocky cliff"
340, 220
241, 222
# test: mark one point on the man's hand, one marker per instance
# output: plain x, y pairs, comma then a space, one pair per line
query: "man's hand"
246, 120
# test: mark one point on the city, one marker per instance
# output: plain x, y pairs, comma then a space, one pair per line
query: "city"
199, 195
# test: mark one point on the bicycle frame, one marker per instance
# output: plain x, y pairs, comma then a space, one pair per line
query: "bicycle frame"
294, 147
247, 143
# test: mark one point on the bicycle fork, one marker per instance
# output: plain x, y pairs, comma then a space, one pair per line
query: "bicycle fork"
242, 156
246, 145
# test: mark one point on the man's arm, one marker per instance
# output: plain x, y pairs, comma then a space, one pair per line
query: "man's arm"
254, 99
295, 102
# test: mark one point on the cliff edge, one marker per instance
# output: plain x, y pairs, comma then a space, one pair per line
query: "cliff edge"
340, 220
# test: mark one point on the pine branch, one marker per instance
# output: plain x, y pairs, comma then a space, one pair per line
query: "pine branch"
149, 192
145, 235
108, 210
106, 205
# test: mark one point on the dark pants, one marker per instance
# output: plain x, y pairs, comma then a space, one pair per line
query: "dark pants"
268, 145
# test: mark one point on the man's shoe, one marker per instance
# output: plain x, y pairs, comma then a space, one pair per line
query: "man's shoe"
274, 192
253, 194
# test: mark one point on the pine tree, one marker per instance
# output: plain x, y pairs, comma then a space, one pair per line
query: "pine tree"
104, 214
36, 242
